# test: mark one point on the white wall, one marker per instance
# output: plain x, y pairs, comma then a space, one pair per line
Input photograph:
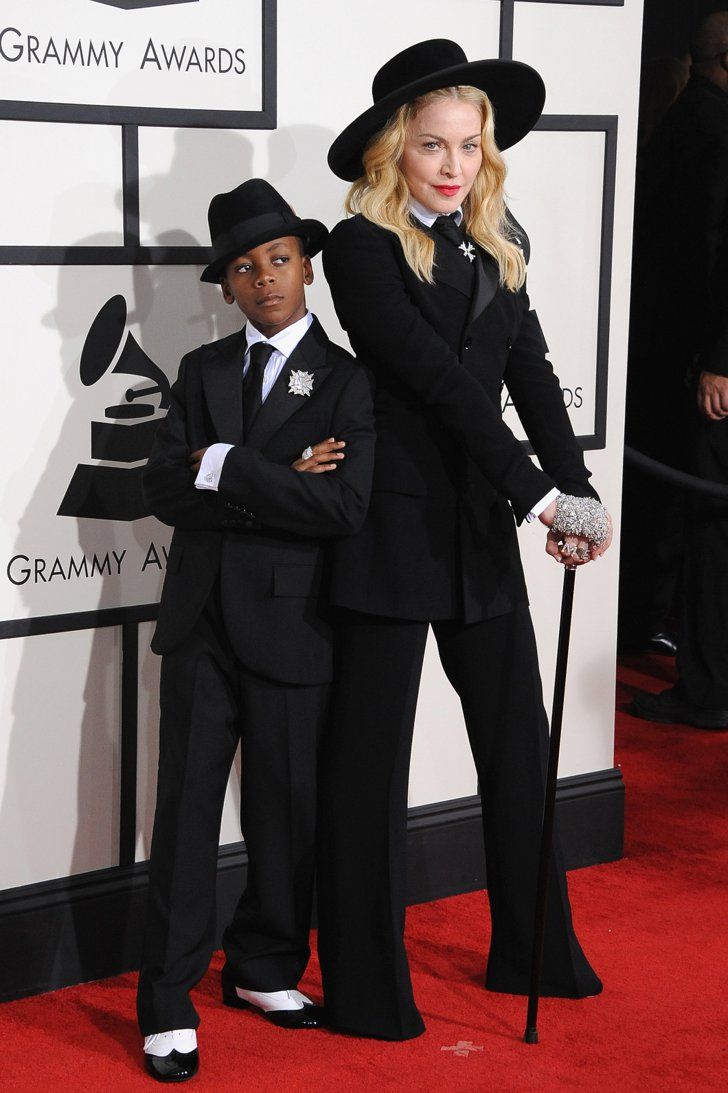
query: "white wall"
59, 718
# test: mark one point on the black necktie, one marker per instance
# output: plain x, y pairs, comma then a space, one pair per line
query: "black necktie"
260, 354
447, 227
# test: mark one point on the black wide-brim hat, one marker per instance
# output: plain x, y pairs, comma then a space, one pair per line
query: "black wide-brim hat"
516, 91
250, 215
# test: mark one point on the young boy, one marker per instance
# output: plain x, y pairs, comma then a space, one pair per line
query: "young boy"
245, 641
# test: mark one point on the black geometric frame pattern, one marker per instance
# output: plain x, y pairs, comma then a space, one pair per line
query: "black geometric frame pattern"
608, 125
132, 253
583, 123
505, 46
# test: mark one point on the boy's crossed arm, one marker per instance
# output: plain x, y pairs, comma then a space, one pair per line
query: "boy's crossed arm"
318, 462
312, 503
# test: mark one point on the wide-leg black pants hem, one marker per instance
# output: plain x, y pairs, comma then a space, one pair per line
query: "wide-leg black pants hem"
363, 814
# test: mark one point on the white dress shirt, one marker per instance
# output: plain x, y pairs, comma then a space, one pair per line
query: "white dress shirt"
428, 217
284, 342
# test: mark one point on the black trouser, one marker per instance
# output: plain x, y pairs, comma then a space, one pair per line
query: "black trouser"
657, 417
208, 701
652, 512
363, 814
702, 660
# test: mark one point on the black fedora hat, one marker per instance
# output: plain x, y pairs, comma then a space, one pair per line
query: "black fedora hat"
251, 214
515, 89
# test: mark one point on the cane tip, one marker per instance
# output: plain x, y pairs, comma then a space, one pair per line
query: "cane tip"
531, 1035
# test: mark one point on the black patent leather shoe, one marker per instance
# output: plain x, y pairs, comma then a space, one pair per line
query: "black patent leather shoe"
670, 708
309, 1016
178, 1066
661, 642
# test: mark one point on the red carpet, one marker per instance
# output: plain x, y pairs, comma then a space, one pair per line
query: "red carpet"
654, 925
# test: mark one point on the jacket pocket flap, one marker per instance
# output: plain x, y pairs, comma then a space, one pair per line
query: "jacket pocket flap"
398, 476
296, 580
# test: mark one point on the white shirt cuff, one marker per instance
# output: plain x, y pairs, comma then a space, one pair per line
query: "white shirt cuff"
208, 476
541, 505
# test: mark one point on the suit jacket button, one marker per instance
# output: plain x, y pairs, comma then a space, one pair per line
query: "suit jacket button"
468, 343
509, 344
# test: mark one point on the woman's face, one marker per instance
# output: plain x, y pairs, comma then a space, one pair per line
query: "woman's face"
442, 154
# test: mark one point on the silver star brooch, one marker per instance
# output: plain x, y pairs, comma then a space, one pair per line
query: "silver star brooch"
300, 383
468, 250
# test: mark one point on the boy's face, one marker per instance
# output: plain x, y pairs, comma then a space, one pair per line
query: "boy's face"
268, 284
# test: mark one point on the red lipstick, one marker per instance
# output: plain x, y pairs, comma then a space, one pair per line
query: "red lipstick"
447, 191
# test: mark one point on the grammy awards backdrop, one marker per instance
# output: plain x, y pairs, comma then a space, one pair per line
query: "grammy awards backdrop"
118, 121
121, 61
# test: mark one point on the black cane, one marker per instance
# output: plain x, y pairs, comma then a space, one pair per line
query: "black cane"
547, 832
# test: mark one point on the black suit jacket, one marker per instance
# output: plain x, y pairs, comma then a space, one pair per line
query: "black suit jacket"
439, 540
680, 262
265, 531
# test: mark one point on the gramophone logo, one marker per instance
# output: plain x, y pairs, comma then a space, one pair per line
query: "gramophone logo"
101, 491
129, 4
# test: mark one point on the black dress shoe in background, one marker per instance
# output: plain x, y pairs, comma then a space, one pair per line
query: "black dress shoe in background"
661, 642
178, 1066
670, 708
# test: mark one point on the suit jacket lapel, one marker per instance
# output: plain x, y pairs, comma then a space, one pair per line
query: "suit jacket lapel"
451, 266
308, 356
479, 279
485, 285
222, 380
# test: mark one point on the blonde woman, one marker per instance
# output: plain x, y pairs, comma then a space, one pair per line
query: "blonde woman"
428, 279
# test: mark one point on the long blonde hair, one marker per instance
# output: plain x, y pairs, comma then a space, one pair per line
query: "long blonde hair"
382, 194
